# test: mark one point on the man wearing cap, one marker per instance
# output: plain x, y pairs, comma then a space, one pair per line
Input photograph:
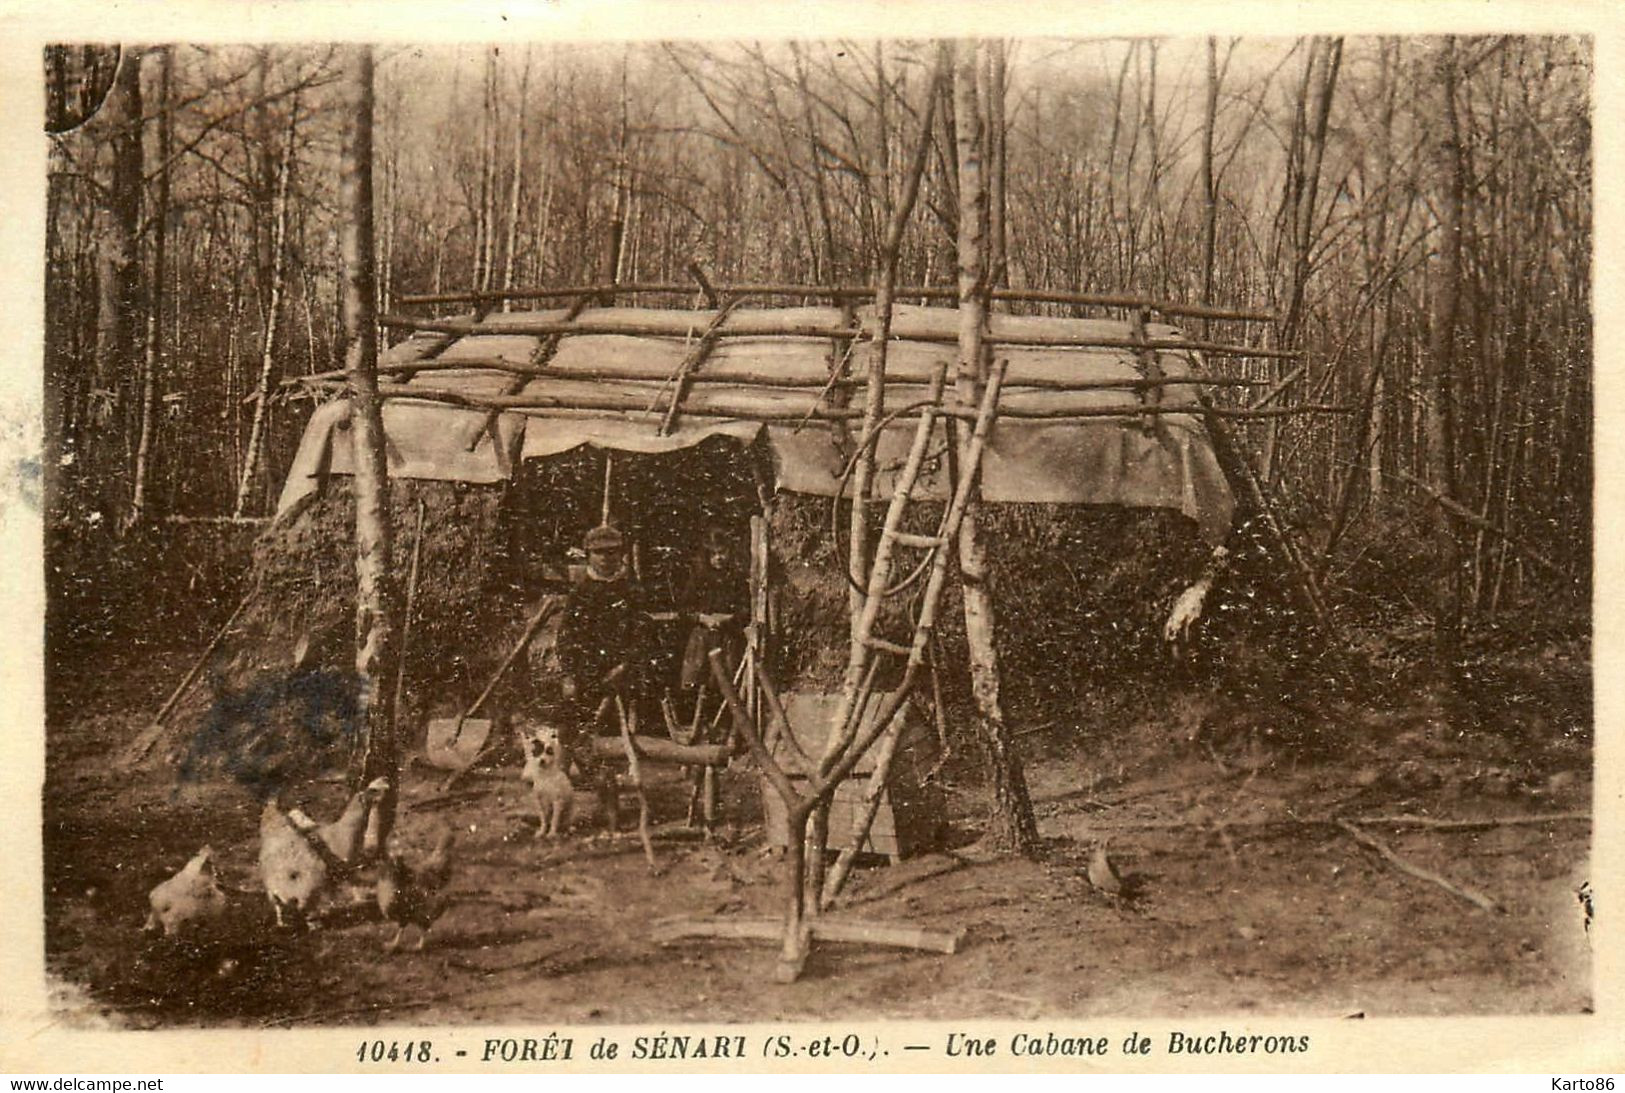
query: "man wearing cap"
602, 635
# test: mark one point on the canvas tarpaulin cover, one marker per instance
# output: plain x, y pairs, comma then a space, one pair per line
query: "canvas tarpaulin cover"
1162, 461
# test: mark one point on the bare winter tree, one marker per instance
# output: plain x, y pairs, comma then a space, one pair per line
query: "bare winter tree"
376, 599
1012, 824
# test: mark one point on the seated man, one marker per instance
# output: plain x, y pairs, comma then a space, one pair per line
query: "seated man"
714, 601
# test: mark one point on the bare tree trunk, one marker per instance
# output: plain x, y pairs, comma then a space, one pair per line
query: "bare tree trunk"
1383, 314
376, 599
514, 188
1314, 114
1011, 824
1441, 354
273, 306
393, 128
118, 276
155, 297
997, 128
259, 168
623, 183
482, 210
831, 266
1210, 193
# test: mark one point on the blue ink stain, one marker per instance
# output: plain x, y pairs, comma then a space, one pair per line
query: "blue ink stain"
276, 731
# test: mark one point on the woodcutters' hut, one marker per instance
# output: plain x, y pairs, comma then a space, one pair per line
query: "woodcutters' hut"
1059, 410
1082, 417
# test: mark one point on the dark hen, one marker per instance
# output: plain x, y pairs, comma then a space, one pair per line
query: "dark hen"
410, 896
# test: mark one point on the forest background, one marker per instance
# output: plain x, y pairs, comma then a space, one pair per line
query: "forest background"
1416, 211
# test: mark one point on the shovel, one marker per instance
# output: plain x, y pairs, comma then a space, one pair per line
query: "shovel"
455, 742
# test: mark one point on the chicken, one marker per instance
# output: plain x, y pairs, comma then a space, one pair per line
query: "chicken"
189, 900
414, 897
1187, 609
345, 836
1103, 873
294, 872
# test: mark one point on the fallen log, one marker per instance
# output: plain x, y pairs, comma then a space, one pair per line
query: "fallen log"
1199, 822
245, 521
1405, 820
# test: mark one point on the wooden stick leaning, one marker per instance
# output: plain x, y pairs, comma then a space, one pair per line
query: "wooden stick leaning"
683, 377
864, 821
629, 724
142, 744
539, 359
1462, 512
406, 618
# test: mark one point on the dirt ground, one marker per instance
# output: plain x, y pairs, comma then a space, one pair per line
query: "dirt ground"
1245, 893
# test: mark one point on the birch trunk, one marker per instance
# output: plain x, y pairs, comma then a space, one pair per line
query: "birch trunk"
155, 301
118, 280
508, 264
376, 612
279, 250
1011, 825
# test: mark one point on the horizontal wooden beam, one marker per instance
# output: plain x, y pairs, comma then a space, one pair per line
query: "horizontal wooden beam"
622, 402
660, 750
900, 935
747, 324
853, 292
738, 377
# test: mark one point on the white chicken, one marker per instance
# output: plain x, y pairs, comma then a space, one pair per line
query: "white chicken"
1187, 609
294, 872
187, 901
345, 837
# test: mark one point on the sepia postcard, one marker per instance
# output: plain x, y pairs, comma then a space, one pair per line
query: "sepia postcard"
842, 537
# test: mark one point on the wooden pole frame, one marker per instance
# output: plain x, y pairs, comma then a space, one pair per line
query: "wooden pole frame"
856, 292
619, 403
746, 323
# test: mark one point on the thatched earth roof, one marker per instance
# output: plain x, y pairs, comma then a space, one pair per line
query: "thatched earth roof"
1164, 461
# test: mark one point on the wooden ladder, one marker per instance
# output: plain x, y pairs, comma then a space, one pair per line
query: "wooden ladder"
858, 686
